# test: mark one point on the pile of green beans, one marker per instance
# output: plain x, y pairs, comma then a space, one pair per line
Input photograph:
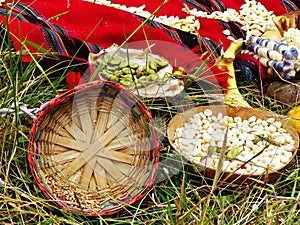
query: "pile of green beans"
119, 70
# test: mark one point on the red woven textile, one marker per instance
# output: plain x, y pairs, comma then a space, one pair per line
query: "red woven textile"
101, 26
94, 23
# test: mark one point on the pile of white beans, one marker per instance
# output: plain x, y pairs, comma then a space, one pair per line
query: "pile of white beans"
264, 142
188, 24
292, 37
253, 16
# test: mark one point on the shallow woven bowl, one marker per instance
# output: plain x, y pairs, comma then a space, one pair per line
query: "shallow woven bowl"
93, 149
245, 113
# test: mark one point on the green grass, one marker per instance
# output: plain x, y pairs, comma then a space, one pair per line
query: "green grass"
186, 197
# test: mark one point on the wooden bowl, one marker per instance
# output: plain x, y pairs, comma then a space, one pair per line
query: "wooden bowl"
93, 149
245, 113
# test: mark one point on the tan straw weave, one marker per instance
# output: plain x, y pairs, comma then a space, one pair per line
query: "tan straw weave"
93, 149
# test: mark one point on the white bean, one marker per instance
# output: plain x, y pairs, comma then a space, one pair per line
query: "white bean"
271, 120
207, 137
207, 112
252, 119
289, 147
277, 124
272, 128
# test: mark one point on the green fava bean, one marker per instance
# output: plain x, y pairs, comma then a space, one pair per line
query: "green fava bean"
118, 73
112, 68
180, 69
143, 79
125, 82
134, 65
233, 153
114, 78
106, 58
123, 64
153, 77
119, 58
153, 65
114, 62
106, 74
178, 73
128, 77
162, 64
149, 71
128, 70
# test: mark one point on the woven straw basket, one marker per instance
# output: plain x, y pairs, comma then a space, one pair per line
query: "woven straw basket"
93, 149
